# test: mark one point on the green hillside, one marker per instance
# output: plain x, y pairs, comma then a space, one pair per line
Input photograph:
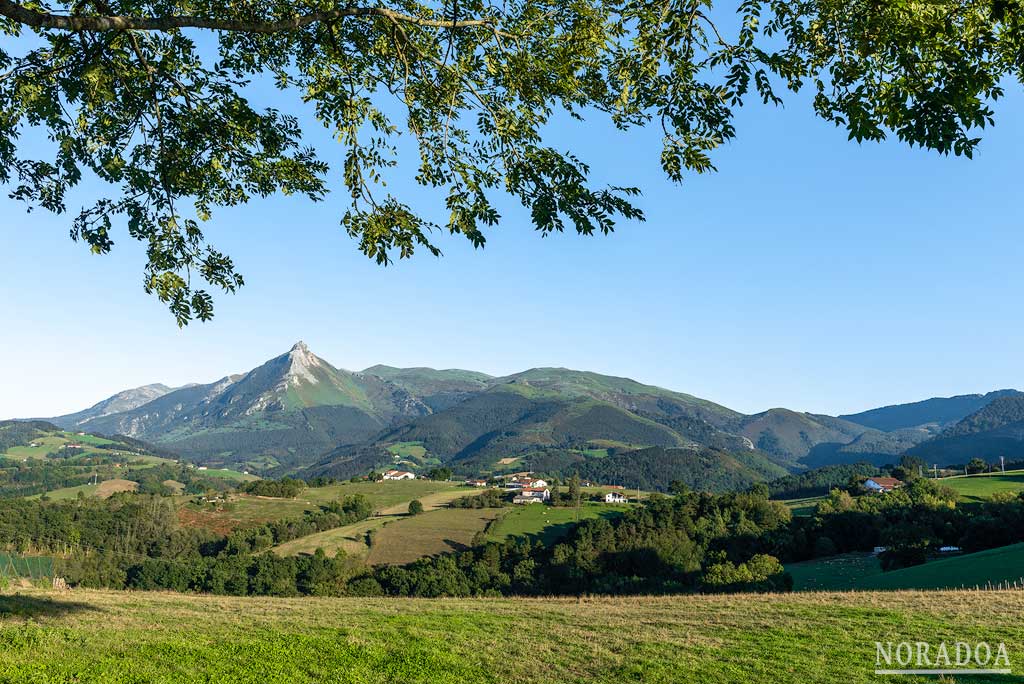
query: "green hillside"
995, 430
982, 486
862, 571
40, 458
90, 636
937, 411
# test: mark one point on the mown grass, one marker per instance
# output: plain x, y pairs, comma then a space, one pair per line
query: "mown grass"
981, 487
835, 573
428, 534
804, 507
243, 510
864, 572
352, 539
93, 636
547, 522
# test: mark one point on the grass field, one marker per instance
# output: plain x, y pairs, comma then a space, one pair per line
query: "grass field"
546, 522
836, 573
94, 636
352, 538
862, 571
804, 507
428, 534
243, 510
981, 487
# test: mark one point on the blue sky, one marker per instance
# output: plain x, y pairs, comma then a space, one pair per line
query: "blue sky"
809, 272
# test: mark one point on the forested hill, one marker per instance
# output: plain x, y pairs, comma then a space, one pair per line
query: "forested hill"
940, 411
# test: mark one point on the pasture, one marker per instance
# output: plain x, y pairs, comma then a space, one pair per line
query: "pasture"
89, 636
428, 534
973, 488
546, 522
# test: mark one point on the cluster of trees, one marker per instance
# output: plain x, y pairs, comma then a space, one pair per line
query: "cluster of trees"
820, 481
692, 542
490, 498
350, 510
285, 488
135, 542
37, 476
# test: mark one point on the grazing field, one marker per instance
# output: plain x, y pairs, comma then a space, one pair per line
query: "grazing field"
95, 636
547, 522
863, 571
244, 510
981, 487
428, 534
352, 539
227, 474
1003, 564
804, 507
835, 573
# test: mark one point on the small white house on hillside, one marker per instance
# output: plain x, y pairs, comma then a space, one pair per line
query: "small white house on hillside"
399, 475
882, 485
614, 497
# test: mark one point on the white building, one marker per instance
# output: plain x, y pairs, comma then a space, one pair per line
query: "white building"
532, 495
882, 485
614, 497
399, 475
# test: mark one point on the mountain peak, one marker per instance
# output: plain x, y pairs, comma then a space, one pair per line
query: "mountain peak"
301, 363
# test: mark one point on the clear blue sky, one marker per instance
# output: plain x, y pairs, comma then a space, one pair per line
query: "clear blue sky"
810, 273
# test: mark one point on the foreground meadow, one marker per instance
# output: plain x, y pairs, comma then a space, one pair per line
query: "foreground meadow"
103, 636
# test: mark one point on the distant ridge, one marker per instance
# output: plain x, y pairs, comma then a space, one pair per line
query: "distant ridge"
298, 414
939, 410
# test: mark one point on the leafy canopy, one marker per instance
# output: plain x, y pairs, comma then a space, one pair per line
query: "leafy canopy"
150, 98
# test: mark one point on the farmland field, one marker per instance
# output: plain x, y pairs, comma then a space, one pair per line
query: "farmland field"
862, 571
981, 487
547, 522
805, 506
352, 538
428, 534
835, 573
99, 636
243, 510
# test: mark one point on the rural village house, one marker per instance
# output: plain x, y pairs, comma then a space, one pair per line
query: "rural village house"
881, 485
399, 475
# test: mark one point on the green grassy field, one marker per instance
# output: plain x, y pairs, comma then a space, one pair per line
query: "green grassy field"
94, 636
862, 571
836, 573
981, 487
429, 534
547, 522
805, 506
243, 510
352, 538
227, 474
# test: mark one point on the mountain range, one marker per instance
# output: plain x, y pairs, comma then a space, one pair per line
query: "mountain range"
297, 413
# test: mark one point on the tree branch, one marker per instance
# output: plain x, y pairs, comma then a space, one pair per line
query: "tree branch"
96, 24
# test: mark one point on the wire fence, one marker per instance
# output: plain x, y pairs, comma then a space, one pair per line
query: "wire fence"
14, 567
